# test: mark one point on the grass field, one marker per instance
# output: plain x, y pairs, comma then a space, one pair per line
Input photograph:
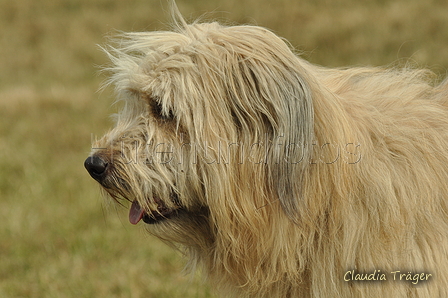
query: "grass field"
58, 236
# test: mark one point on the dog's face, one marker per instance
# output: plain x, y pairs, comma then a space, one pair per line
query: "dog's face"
207, 112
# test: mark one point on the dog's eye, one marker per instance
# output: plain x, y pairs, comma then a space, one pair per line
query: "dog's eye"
160, 113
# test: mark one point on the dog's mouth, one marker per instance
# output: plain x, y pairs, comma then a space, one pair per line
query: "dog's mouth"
137, 213
105, 173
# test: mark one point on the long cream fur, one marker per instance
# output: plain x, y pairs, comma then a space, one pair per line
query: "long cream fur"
288, 175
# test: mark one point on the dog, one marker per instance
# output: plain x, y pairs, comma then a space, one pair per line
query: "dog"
277, 177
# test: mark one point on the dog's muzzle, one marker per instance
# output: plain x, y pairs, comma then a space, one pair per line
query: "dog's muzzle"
100, 169
97, 167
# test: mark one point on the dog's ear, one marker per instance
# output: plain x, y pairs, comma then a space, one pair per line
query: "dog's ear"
290, 154
278, 100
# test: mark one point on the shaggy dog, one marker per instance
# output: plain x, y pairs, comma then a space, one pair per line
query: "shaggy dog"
276, 177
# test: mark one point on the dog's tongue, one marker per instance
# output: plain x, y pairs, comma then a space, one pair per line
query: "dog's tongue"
135, 213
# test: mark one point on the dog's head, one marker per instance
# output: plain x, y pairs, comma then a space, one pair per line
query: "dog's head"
212, 129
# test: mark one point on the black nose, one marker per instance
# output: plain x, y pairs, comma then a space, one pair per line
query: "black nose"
96, 167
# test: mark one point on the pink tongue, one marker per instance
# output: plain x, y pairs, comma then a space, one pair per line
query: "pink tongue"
135, 213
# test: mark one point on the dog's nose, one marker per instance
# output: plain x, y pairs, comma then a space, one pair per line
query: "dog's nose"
96, 167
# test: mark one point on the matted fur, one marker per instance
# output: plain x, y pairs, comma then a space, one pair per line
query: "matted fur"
281, 175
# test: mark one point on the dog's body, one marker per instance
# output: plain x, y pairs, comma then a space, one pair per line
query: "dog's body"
277, 177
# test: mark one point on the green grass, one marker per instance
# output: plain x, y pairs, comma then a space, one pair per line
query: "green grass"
58, 236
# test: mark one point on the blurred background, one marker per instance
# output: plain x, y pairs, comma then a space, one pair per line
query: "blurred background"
58, 236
